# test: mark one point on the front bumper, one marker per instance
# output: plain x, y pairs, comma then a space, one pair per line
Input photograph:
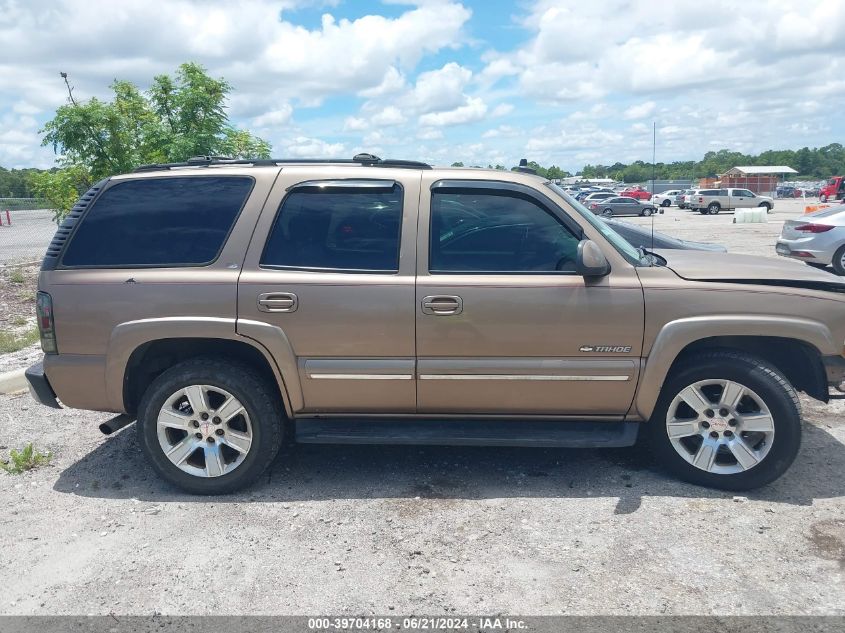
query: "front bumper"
39, 386
834, 367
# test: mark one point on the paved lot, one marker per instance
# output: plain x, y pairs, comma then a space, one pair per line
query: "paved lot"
28, 236
422, 530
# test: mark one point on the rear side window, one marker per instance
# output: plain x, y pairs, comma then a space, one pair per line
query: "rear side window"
159, 222
344, 228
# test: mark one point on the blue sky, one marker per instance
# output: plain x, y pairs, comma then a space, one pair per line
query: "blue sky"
560, 82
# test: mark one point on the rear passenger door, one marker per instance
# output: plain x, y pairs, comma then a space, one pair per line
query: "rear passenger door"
328, 283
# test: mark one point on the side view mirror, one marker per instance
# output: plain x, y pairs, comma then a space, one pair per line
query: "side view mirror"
590, 261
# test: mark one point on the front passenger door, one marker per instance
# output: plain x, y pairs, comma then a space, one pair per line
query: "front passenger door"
504, 325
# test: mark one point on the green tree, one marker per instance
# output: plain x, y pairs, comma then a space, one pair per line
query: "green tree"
177, 118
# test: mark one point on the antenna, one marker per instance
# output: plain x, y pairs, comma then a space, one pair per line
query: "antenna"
653, 168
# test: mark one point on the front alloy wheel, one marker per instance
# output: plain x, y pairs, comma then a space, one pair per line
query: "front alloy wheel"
720, 426
726, 419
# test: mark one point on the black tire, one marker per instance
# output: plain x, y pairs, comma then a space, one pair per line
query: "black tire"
608, 213
666, 203
762, 378
839, 261
260, 400
823, 198
766, 205
646, 212
713, 208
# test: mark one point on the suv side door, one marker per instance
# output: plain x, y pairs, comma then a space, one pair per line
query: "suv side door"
328, 287
504, 324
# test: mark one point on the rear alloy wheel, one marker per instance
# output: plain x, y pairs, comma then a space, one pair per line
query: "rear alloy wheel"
646, 212
210, 426
839, 261
666, 203
727, 420
823, 199
608, 213
714, 208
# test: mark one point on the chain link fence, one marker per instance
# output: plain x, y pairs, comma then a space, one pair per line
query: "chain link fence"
26, 228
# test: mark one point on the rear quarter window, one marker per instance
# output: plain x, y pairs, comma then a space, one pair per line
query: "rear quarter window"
160, 222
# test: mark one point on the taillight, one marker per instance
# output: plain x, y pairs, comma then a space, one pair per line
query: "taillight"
594, 206
46, 325
700, 199
814, 228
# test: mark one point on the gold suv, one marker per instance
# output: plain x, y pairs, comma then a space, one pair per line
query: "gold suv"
225, 304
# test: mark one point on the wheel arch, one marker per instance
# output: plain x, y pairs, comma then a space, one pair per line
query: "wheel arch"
140, 350
793, 346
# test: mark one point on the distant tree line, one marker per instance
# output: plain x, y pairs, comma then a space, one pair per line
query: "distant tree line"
819, 162
16, 183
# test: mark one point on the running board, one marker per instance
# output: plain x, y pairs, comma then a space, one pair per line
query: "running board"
467, 432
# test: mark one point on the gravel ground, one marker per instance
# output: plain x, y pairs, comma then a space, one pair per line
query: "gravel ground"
357, 529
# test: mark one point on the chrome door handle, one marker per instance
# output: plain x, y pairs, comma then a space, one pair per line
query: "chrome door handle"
442, 305
278, 302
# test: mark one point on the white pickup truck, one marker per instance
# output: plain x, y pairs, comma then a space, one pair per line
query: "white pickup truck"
711, 201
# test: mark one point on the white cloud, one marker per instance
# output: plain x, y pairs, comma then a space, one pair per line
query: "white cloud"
355, 124
274, 118
503, 109
474, 110
389, 116
304, 147
640, 110
439, 90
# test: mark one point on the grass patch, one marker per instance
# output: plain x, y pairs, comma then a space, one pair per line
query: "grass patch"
10, 342
19, 321
27, 459
16, 277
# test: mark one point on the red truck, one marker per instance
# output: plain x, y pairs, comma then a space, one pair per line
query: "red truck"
636, 192
833, 190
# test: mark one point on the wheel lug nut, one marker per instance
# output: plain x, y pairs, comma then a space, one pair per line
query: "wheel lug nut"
216, 420
732, 422
211, 440
714, 435
198, 435
709, 413
204, 416
219, 431
723, 412
195, 424
728, 434
706, 425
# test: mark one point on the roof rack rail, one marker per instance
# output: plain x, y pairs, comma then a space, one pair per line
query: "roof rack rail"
368, 160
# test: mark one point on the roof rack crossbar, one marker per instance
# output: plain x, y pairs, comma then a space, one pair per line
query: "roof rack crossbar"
360, 159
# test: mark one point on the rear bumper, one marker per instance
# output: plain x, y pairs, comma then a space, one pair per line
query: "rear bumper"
834, 367
39, 386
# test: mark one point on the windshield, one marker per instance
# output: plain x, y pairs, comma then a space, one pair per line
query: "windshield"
619, 242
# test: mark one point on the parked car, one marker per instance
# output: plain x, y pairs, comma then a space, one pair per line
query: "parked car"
643, 237
597, 196
712, 201
816, 238
683, 199
637, 192
666, 198
386, 301
622, 205
833, 190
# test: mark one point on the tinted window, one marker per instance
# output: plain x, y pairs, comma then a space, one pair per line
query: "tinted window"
349, 228
158, 222
497, 232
